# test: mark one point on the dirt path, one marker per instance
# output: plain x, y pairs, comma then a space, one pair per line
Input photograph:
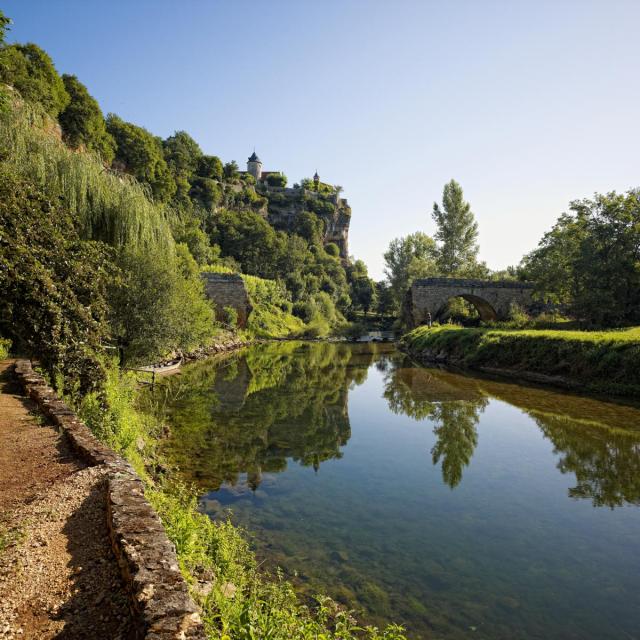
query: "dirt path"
58, 576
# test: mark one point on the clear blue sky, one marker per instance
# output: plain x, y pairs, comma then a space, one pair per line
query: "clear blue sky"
527, 104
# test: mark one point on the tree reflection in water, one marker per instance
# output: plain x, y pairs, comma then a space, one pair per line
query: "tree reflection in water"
454, 410
252, 412
591, 438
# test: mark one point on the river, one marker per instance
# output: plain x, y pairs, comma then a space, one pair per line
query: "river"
458, 506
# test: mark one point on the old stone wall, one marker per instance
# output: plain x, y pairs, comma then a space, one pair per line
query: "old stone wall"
228, 290
492, 298
159, 597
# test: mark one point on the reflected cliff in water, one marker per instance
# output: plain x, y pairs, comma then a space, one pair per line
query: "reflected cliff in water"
250, 413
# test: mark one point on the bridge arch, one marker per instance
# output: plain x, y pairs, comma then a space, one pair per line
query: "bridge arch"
484, 308
491, 298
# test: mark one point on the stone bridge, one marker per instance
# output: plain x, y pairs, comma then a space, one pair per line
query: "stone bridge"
491, 298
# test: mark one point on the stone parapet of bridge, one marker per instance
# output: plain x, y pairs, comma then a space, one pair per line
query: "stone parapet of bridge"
492, 298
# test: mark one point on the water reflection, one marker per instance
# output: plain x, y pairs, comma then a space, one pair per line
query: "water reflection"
254, 411
454, 412
276, 402
444, 501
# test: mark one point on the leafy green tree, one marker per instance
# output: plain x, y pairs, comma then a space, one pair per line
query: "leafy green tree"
82, 121
590, 260
182, 154
231, 171
159, 305
30, 70
277, 180
4, 27
386, 303
210, 167
457, 232
140, 153
52, 284
363, 294
407, 259
205, 192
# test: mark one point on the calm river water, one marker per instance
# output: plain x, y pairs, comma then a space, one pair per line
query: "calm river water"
457, 506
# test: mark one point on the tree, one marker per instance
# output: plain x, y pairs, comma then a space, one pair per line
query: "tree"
82, 121
4, 27
363, 293
140, 153
52, 284
277, 180
30, 70
457, 232
386, 303
590, 260
231, 170
406, 259
210, 167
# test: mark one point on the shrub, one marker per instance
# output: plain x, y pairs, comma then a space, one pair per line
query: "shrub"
5, 345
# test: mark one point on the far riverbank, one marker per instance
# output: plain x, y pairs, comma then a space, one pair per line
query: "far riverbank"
603, 362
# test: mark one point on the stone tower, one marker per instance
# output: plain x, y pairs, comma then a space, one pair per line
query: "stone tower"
254, 166
316, 178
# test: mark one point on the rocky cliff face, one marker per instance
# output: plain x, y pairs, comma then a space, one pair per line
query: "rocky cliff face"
286, 205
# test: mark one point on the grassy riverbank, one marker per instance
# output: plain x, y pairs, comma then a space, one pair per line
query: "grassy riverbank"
597, 361
238, 600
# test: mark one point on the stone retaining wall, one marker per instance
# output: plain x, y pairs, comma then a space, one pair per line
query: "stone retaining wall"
161, 605
228, 290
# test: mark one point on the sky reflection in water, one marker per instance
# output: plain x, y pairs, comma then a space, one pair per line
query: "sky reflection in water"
458, 506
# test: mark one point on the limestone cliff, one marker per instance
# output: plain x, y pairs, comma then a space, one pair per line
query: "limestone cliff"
285, 205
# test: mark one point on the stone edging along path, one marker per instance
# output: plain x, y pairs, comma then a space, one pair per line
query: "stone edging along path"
160, 602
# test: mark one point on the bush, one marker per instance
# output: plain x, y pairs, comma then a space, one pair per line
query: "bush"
231, 316
5, 345
52, 284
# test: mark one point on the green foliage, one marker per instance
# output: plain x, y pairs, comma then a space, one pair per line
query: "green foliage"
457, 231
271, 316
159, 306
407, 259
52, 284
210, 167
601, 361
231, 171
332, 249
590, 260
277, 180
4, 27
231, 316
29, 69
140, 153
104, 206
5, 345
111, 415
82, 121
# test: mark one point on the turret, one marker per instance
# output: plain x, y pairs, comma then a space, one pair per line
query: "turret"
254, 166
316, 178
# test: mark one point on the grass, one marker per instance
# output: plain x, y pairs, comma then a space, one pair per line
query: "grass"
599, 361
238, 600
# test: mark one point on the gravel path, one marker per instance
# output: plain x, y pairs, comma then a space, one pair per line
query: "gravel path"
58, 576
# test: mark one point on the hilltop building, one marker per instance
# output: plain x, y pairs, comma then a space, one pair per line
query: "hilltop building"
286, 204
254, 168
